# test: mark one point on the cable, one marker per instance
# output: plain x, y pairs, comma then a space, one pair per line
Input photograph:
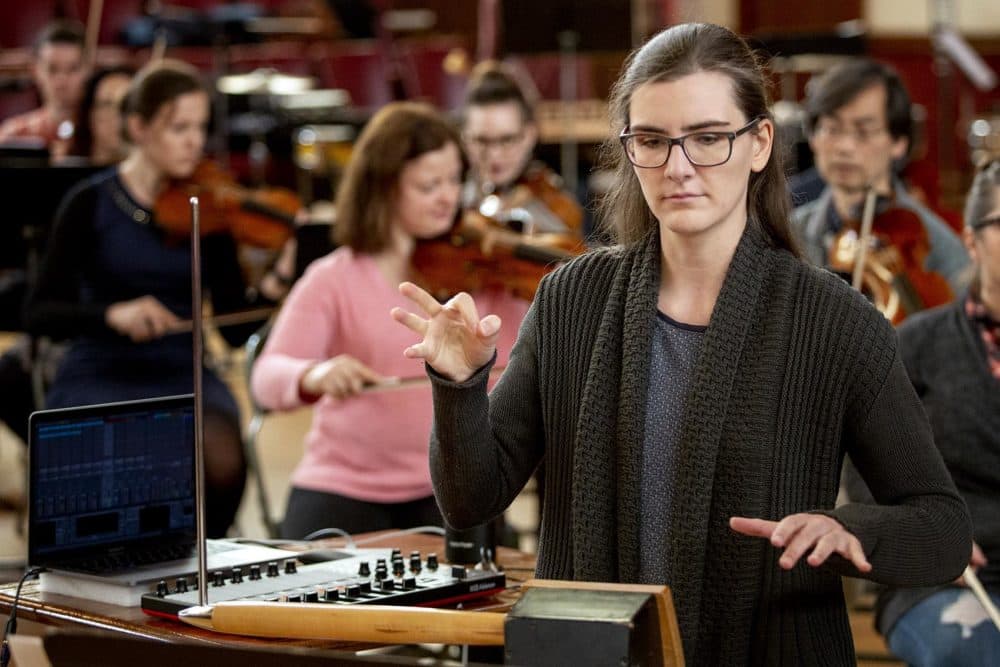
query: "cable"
433, 530
11, 627
326, 532
351, 544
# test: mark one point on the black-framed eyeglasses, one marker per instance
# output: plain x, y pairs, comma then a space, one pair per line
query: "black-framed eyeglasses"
987, 222
503, 142
651, 150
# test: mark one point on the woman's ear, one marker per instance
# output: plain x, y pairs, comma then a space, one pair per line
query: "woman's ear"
969, 240
135, 128
763, 142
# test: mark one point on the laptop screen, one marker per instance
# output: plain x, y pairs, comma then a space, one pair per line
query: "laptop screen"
110, 476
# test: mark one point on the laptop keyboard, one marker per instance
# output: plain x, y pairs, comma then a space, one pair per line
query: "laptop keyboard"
117, 562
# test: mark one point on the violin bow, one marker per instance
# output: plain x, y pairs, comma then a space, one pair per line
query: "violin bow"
93, 30
984, 599
241, 317
864, 237
394, 384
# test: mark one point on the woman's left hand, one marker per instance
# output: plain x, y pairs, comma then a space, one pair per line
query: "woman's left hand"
799, 534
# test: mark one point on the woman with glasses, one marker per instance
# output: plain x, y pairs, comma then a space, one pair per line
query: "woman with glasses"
952, 356
693, 389
505, 183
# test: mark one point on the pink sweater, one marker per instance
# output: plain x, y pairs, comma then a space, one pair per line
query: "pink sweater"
371, 447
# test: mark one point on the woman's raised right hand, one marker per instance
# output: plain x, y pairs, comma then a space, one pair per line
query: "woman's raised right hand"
456, 342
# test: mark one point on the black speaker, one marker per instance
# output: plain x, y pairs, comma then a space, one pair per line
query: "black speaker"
583, 628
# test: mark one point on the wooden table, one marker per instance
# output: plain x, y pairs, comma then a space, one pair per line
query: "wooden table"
74, 613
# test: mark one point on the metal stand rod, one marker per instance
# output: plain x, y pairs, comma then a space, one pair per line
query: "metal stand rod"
199, 416
568, 149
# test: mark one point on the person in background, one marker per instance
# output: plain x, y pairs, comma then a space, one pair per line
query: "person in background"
118, 285
694, 388
59, 70
98, 137
859, 126
505, 182
365, 464
98, 140
952, 356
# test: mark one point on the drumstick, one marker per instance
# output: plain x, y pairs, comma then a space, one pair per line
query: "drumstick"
984, 599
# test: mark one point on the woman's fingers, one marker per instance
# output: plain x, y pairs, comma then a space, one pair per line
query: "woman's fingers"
421, 298
414, 323
753, 527
800, 534
797, 535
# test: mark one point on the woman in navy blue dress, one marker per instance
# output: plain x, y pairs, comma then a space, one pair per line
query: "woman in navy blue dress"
114, 283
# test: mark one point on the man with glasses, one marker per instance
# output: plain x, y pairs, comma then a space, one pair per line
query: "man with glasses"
506, 185
860, 128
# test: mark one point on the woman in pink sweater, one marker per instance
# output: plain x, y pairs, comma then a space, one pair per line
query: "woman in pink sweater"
366, 454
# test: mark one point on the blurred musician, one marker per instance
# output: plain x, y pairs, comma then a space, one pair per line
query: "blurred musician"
114, 283
499, 131
98, 136
952, 356
98, 140
59, 70
858, 117
365, 464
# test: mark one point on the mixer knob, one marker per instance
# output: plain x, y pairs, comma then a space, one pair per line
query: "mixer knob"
272, 569
396, 553
387, 585
290, 566
254, 572
432, 562
458, 571
181, 585
331, 595
365, 587
409, 583
237, 575
294, 597
364, 570
162, 590
353, 591
311, 596
218, 578
381, 572
398, 568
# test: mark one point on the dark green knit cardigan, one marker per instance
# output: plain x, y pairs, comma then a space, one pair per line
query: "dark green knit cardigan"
795, 371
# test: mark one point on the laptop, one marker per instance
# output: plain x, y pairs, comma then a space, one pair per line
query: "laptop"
111, 494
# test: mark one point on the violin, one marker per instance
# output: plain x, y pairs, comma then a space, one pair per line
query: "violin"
480, 254
536, 202
885, 251
260, 217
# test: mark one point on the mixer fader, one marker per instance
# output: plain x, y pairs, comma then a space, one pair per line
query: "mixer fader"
355, 576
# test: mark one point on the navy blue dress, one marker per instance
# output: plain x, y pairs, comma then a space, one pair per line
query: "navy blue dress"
104, 248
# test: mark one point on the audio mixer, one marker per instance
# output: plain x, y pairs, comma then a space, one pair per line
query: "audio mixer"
354, 576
